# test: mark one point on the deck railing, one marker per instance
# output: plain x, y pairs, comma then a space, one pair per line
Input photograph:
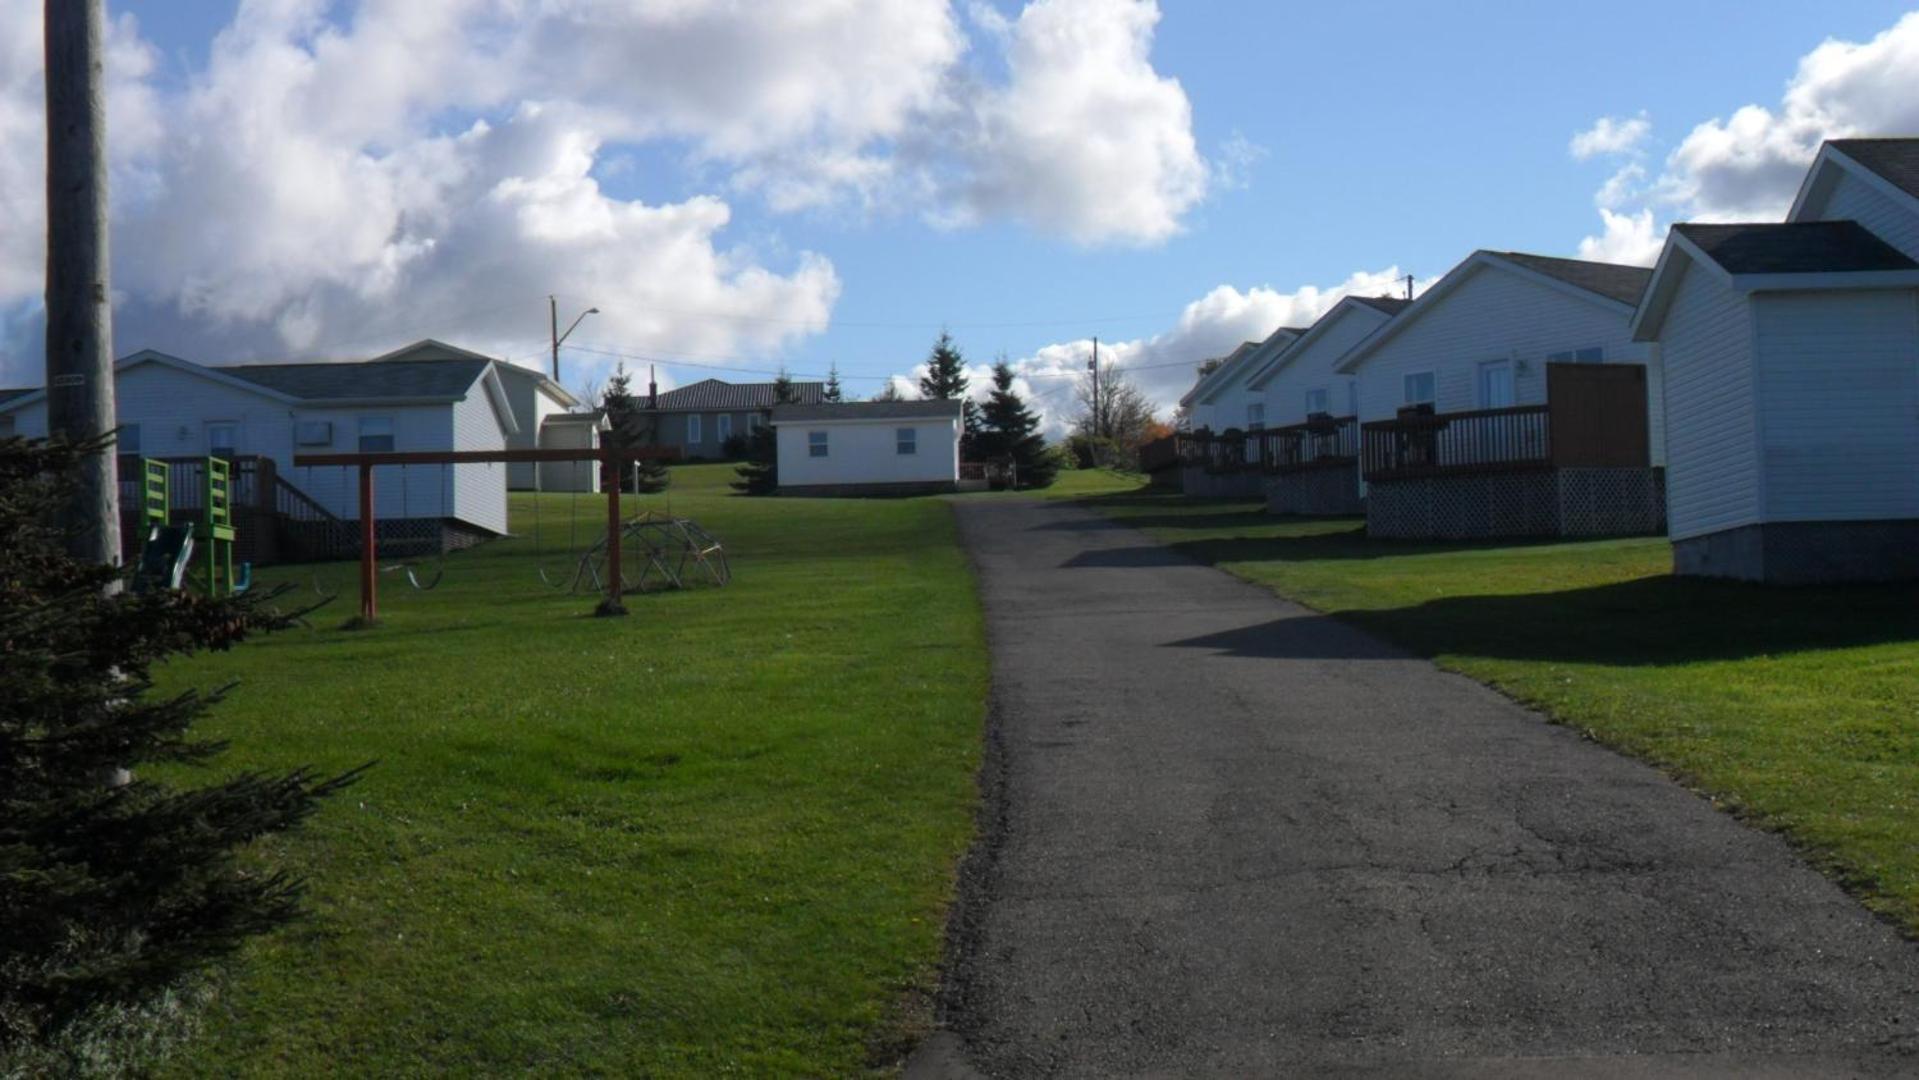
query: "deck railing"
1481, 440
1318, 442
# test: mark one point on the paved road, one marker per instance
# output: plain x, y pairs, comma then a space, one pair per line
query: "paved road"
1230, 837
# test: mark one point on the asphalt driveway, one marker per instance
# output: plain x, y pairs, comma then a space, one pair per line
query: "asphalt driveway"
1227, 836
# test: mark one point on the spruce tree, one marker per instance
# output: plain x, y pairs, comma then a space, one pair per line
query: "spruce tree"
115, 884
945, 379
760, 474
832, 392
629, 427
1009, 429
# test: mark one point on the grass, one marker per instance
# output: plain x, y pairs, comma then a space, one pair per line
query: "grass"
1796, 707
715, 837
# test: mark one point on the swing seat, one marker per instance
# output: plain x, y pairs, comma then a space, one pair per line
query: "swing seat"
242, 580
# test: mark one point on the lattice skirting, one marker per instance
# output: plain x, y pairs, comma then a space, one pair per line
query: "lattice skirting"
1544, 502
1197, 483
1326, 491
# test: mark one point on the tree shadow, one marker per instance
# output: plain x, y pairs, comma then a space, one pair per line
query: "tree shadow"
1299, 637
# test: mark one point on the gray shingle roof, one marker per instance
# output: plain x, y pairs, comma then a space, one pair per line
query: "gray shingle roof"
1810, 247
1610, 280
1895, 159
1388, 304
448, 379
866, 410
716, 396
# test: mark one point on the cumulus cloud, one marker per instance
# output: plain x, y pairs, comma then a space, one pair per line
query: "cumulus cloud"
1632, 239
1747, 166
1164, 365
1611, 135
341, 177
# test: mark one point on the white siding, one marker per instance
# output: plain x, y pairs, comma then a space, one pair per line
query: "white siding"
865, 452
1712, 448
570, 475
1853, 199
478, 490
1839, 404
1312, 368
1500, 315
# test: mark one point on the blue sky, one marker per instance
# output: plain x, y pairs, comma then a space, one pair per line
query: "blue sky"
1336, 140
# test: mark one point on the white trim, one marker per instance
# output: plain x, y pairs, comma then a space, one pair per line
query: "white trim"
1457, 276
1826, 280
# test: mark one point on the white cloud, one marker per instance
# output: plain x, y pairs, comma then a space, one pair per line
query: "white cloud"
341, 178
1085, 138
1164, 365
1611, 135
1748, 165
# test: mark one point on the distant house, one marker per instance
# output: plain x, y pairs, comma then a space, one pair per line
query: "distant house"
261, 415
1510, 399
1309, 449
1792, 392
1219, 410
699, 418
868, 447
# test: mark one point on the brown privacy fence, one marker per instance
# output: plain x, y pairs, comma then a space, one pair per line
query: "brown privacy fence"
1594, 417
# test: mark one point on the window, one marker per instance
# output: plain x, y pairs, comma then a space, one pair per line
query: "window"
693, 429
1256, 416
723, 427
376, 434
816, 444
754, 421
906, 440
1420, 388
313, 433
1577, 356
223, 438
1496, 384
128, 438
1316, 402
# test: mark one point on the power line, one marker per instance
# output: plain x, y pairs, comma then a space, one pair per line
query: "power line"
824, 323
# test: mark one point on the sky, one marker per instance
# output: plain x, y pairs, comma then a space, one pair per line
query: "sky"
742, 188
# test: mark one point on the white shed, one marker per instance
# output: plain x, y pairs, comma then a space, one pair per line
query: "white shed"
1791, 389
868, 447
174, 408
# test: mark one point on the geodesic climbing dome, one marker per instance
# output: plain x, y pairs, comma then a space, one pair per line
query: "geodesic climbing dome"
658, 551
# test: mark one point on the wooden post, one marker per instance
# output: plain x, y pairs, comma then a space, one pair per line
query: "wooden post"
79, 315
369, 567
609, 471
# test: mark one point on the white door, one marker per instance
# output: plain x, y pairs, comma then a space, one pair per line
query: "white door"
1496, 384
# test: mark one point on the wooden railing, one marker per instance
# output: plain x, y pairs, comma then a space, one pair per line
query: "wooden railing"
1414, 445
1160, 453
279, 522
1222, 453
1321, 441
1594, 417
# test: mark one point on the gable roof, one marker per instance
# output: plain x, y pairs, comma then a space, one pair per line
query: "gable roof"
1245, 360
716, 396
1801, 255
426, 380
1806, 247
1890, 165
1610, 280
1383, 306
1610, 285
822, 412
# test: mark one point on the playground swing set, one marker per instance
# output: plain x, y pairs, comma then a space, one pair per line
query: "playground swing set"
167, 555
670, 548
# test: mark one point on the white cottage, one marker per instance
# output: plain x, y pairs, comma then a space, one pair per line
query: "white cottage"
248, 413
1222, 401
1874, 182
1310, 446
868, 447
1511, 399
1791, 388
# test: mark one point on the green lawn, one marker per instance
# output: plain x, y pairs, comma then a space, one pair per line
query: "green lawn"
716, 837
1798, 707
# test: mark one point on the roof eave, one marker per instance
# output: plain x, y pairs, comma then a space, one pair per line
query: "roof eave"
1826, 281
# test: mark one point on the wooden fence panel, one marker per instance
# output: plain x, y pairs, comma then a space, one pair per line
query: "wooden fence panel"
1598, 415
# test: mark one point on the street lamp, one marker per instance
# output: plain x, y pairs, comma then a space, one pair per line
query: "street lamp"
553, 313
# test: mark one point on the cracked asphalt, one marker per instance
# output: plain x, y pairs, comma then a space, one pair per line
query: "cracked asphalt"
1226, 836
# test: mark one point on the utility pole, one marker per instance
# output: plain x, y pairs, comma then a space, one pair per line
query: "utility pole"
553, 321
1099, 419
79, 315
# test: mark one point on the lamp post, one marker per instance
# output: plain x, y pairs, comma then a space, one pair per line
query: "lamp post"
553, 313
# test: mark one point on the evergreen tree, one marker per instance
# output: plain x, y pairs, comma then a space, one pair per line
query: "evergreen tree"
832, 392
630, 426
945, 380
114, 885
1009, 429
760, 473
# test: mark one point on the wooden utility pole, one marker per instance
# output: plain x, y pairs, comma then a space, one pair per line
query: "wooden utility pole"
1099, 411
79, 315
553, 320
